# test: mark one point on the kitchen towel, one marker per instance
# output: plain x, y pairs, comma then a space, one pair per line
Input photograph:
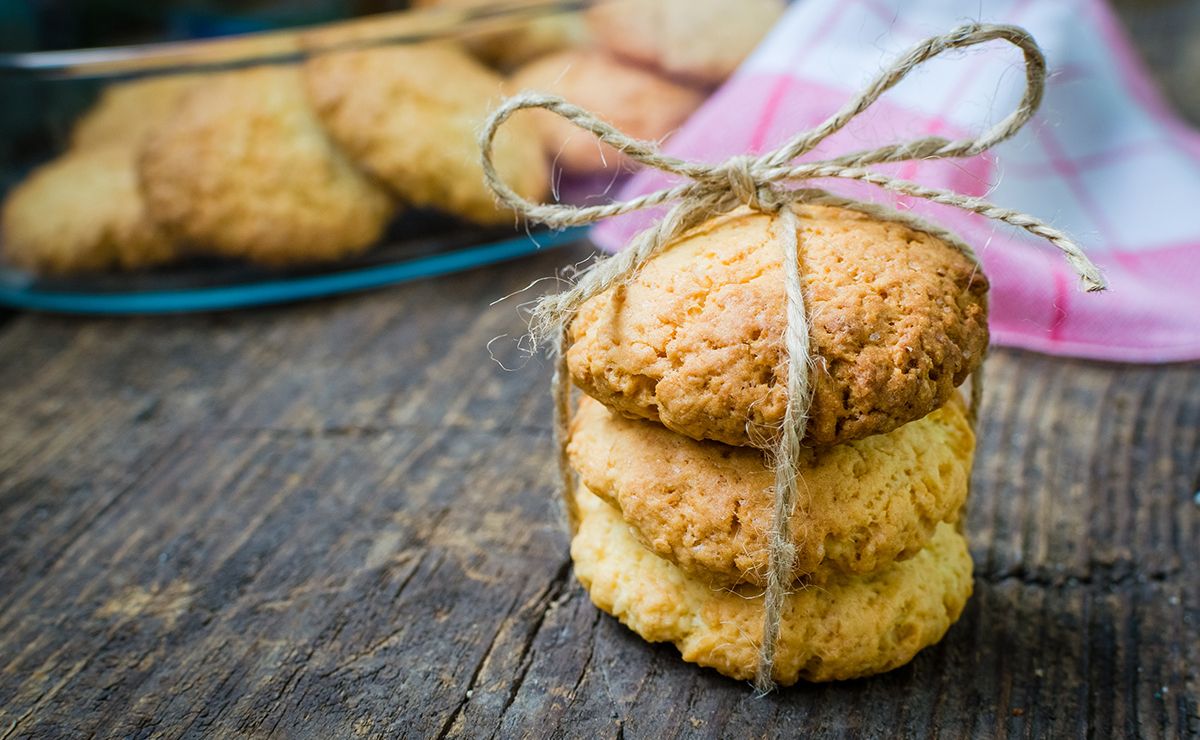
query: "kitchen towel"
1105, 159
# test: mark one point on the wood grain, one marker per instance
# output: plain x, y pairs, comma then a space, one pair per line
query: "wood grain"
338, 520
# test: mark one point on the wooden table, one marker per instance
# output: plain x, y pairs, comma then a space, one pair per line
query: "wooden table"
338, 519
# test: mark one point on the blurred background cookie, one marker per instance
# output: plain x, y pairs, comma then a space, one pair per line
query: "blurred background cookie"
507, 42
243, 169
127, 111
635, 100
82, 212
702, 40
410, 116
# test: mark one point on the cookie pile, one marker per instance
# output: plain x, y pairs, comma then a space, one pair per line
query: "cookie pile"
296, 164
684, 374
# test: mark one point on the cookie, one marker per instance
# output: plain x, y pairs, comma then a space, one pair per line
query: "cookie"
706, 506
411, 115
508, 39
82, 212
898, 320
638, 102
849, 626
127, 111
702, 40
243, 169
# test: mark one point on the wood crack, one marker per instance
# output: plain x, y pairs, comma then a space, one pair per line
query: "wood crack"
545, 605
448, 725
361, 431
288, 685
1109, 576
377, 645
587, 663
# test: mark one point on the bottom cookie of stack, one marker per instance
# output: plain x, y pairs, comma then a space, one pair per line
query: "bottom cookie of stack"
850, 626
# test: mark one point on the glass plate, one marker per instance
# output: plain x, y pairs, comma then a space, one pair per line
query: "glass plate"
424, 248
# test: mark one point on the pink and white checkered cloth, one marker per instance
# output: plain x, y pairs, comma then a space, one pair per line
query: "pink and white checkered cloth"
1104, 159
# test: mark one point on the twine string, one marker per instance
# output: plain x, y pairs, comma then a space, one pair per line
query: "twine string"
781, 547
771, 183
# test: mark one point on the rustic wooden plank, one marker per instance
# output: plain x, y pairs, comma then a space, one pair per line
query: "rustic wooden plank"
337, 520
266, 430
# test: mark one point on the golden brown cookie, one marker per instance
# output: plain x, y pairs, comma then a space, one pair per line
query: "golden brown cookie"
898, 319
243, 169
849, 626
636, 101
127, 111
411, 116
706, 506
82, 212
702, 40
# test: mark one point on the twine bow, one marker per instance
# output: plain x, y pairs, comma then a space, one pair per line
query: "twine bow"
761, 183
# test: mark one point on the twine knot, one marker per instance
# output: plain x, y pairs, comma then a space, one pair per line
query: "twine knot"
739, 175
707, 190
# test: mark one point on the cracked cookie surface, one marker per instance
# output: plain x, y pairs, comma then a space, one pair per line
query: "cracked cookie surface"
706, 506
849, 626
898, 320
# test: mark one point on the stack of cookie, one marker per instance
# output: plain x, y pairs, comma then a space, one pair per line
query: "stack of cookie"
683, 370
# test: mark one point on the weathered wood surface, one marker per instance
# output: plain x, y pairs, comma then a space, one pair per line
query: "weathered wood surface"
337, 520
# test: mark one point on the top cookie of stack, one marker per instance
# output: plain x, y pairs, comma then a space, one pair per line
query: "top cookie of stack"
694, 342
